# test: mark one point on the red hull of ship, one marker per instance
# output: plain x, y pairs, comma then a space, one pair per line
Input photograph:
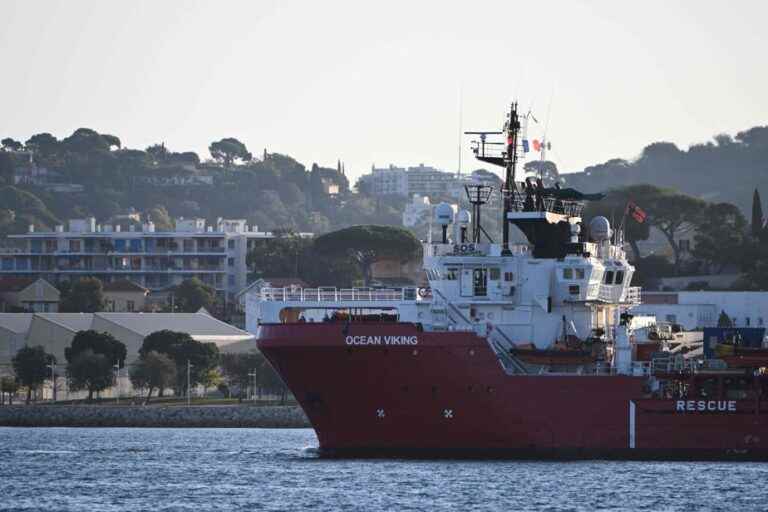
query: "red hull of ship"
448, 395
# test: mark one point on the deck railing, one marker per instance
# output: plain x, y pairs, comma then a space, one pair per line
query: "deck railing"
292, 294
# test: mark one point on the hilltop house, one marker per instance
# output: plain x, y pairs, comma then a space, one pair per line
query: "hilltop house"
28, 294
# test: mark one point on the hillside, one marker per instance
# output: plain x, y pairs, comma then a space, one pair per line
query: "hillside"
45, 181
725, 170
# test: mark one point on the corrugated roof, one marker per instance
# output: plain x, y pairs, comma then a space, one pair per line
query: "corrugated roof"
196, 324
16, 322
72, 321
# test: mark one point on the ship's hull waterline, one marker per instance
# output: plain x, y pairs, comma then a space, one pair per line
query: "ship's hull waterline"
393, 390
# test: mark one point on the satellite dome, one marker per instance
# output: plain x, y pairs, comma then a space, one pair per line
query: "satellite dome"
600, 228
443, 214
463, 218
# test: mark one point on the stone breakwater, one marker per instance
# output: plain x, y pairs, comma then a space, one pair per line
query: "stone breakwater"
153, 416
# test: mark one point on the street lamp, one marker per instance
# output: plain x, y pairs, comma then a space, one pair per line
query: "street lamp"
52, 366
117, 381
253, 375
189, 371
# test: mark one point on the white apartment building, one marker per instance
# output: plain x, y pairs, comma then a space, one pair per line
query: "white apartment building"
153, 259
421, 180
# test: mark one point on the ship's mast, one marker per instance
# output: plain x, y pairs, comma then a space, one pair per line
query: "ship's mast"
513, 130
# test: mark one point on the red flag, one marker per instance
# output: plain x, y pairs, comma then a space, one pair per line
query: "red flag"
636, 212
536, 145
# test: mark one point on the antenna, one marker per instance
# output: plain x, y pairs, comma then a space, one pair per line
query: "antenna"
461, 115
503, 154
478, 195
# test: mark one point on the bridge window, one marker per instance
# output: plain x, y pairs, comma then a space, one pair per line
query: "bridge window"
495, 273
609, 277
619, 277
509, 276
567, 273
579, 273
452, 274
480, 282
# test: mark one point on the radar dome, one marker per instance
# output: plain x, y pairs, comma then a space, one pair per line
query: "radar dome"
443, 214
600, 228
463, 218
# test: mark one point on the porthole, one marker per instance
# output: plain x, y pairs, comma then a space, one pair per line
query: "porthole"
415, 351
471, 352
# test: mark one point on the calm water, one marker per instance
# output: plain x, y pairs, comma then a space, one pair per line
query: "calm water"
63, 469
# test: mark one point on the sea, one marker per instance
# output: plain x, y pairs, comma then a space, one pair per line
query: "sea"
131, 469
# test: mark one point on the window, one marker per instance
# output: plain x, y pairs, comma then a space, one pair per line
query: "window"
609, 277
672, 319
231, 244
452, 274
495, 273
579, 273
509, 276
50, 246
685, 245
231, 262
230, 280
619, 276
567, 273
130, 305
74, 246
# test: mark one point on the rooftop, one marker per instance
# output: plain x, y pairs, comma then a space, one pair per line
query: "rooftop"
124, 285
15, 284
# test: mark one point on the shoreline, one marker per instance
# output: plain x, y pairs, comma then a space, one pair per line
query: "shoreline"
154, 416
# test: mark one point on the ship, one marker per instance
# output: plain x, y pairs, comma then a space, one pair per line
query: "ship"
521, 349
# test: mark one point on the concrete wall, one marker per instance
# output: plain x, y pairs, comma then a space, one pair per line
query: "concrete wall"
152, 416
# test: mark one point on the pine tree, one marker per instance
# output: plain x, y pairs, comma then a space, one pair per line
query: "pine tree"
757, 215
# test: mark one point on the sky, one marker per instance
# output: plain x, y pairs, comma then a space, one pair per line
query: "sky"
384, 82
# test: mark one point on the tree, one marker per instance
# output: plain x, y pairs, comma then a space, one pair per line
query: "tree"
85, 295
237, 369
193, 294
30, 367
99, 343
10, 144
111, 140
90, 371
724, 320
369, 243
277, 257
228, 150
86, 140
91, 357
673, 213
153, 371
43, 144
720, 236
9, 386
543, 169
613, 207
758, 226
160, 217
7, 168
182, 348
158, 152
